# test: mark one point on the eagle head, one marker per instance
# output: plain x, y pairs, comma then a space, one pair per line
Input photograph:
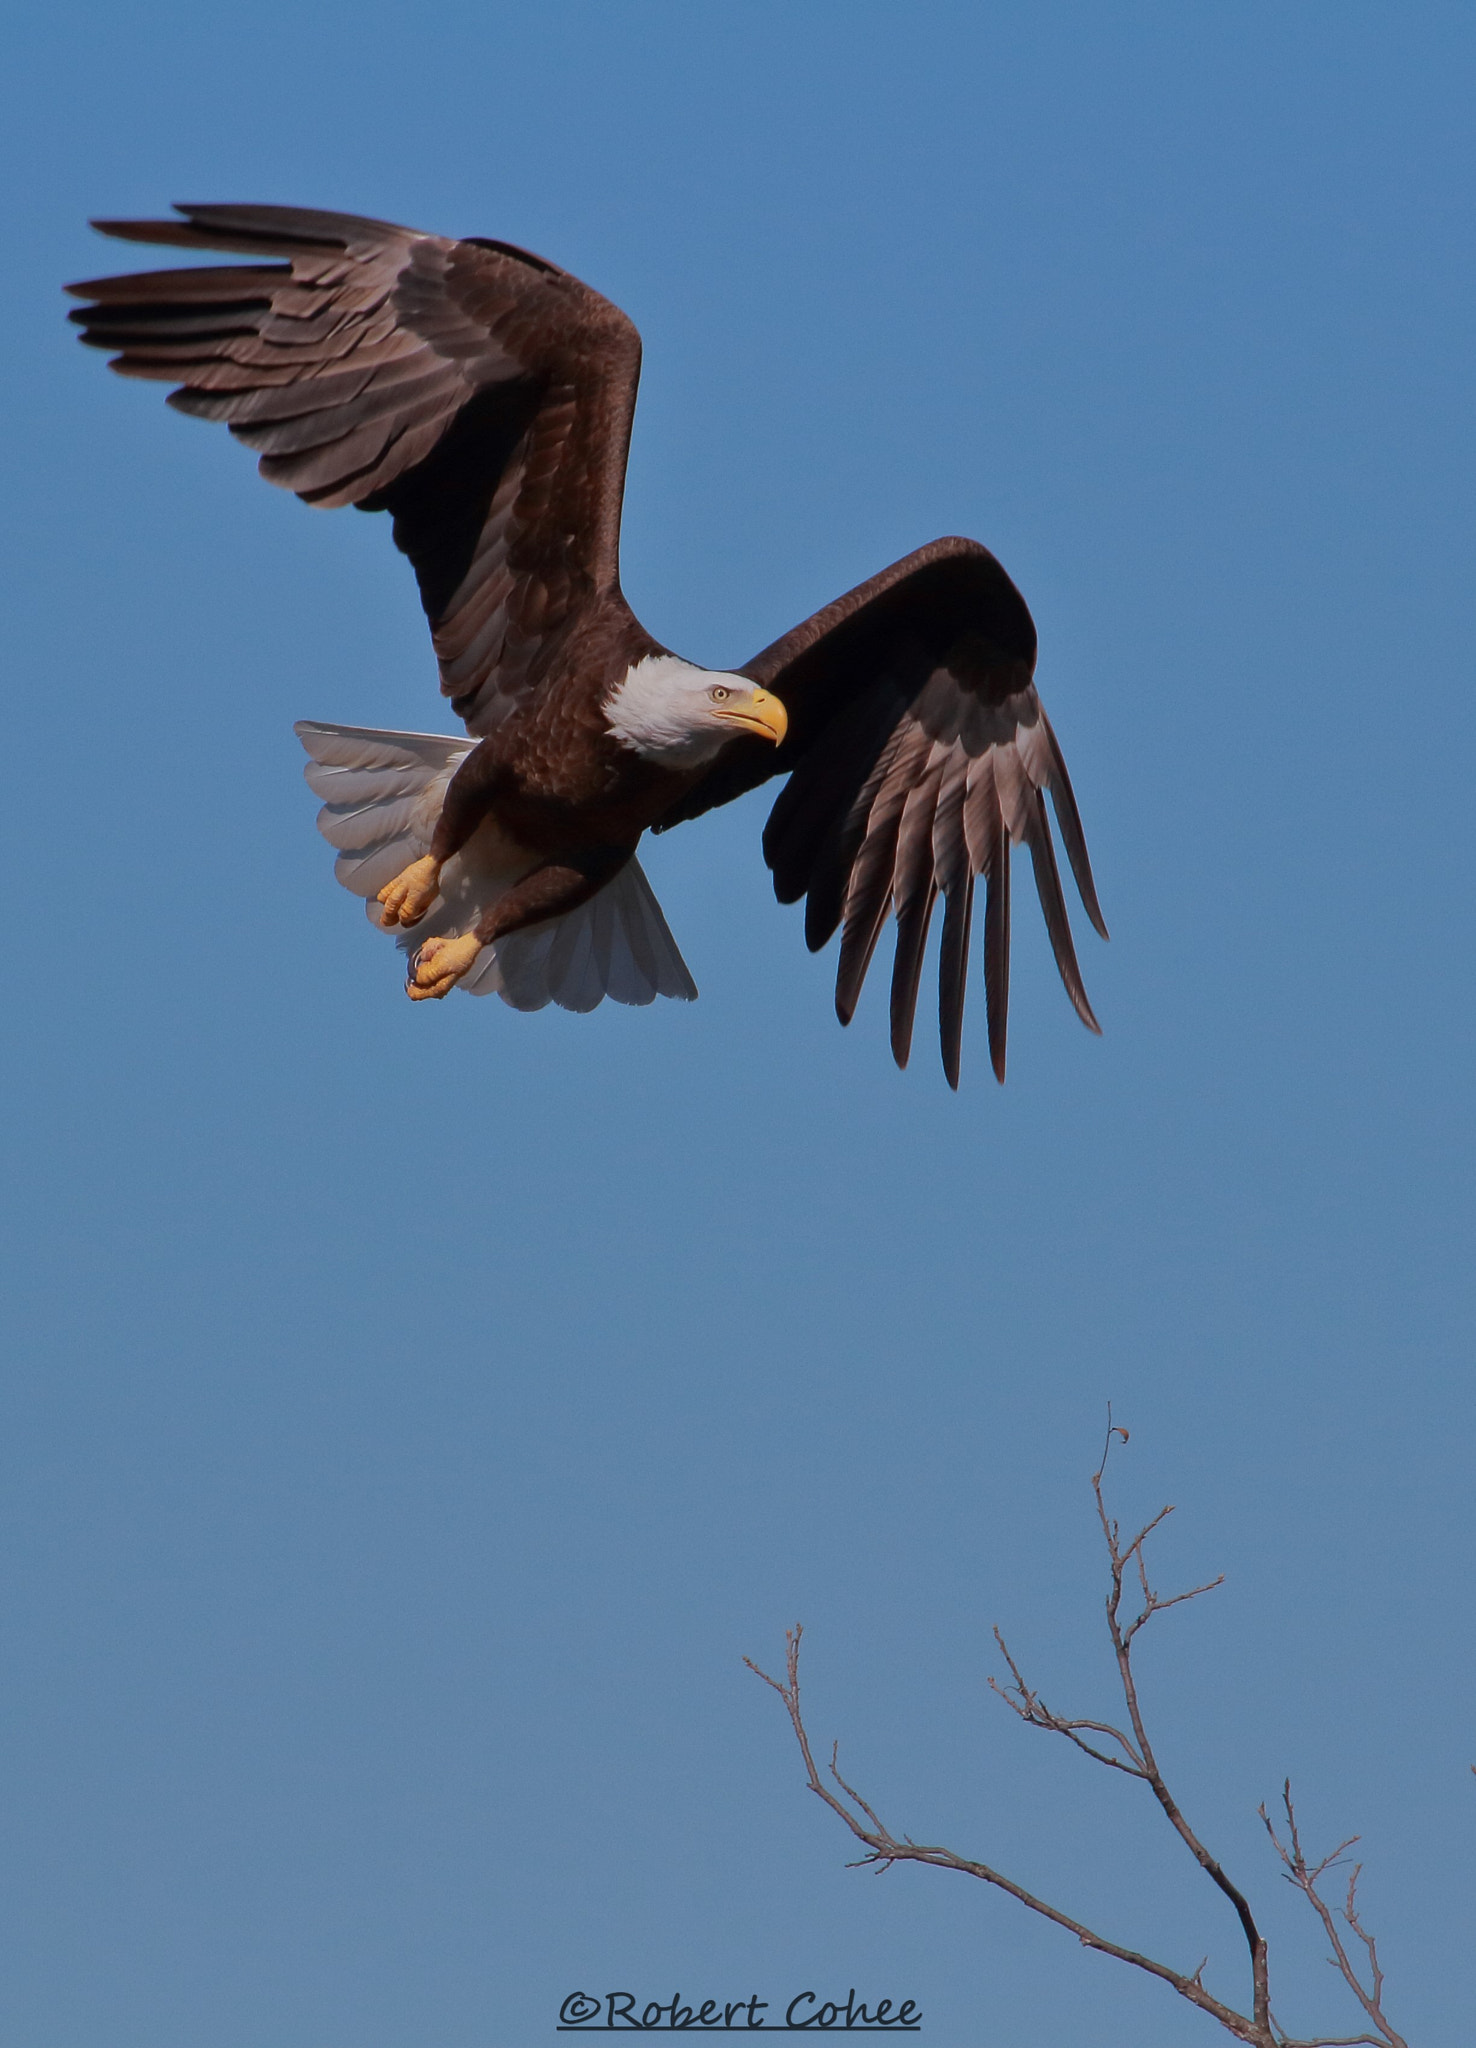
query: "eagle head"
669, 711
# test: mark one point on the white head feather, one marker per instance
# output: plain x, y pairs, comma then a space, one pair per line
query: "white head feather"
670, 711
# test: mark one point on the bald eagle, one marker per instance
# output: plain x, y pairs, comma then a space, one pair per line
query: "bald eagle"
483, 398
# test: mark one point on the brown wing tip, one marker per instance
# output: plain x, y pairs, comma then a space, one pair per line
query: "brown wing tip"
1076, 990
1086, 887
136, 230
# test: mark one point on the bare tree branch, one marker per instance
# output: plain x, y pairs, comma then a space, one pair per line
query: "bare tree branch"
1303, 1876
1122, 1638
884, 1848
1133, 1755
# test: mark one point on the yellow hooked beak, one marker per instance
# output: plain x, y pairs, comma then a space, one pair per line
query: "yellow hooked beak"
759, 713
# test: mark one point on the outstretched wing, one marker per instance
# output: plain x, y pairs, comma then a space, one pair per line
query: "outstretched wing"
479, 395
918, 753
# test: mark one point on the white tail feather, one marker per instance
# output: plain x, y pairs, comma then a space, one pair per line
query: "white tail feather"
382, 795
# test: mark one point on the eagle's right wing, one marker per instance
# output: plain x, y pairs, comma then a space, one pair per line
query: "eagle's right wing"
478, 394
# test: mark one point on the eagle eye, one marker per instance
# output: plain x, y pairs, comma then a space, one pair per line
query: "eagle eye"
719, 694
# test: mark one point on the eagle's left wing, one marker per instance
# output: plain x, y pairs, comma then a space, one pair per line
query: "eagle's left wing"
918, 752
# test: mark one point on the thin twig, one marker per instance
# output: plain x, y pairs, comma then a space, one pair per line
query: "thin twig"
1030, 1707
1122, 1639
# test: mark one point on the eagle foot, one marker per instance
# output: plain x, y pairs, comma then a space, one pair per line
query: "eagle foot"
410, 895
439, 965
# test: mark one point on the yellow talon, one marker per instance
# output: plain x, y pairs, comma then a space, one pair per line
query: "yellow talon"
410, 895
439, 965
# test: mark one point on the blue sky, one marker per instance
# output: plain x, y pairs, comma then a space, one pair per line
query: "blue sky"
412, 1415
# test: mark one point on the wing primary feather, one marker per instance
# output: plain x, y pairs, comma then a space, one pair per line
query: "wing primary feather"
246, 229
858, 944
833, 878
867, 903
823, 787
133, 297
869, 893
830, 878
174, 234
997, 947
913, 918
953, 973
1053, 906
955, 879
915, 889
1063, 798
